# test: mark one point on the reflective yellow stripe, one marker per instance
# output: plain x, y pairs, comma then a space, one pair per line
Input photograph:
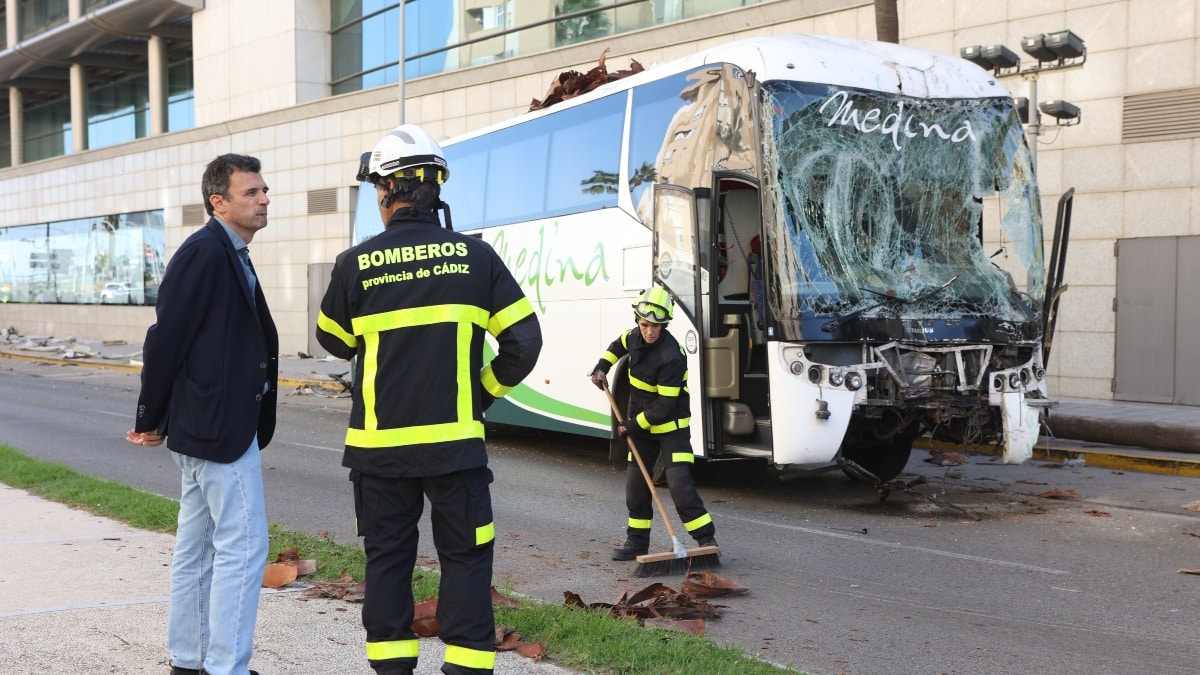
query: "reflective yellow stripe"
370, 371
662, 428
485, 534
683, 458
609, 356
506, 317
369, 327
639, 524
430, 433
419, 316
330, 326
698, 523
470, 658
491, 385
670, 392
625, 339
463, 376
393, 649
640, 384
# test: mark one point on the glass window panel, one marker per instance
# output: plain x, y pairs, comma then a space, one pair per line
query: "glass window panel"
516, 174
181, 97
655, 105
468, 181
116, 259
585, 156
47, 130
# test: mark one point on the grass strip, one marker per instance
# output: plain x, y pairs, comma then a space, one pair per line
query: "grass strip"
592, 641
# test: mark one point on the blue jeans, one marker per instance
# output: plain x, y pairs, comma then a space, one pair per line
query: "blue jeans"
221, 546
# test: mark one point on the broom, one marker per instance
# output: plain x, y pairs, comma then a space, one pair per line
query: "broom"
678, 560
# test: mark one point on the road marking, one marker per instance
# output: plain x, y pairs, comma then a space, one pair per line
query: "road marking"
114, 414
314, 447
920, 549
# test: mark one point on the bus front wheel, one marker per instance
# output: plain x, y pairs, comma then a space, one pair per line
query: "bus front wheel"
885, 460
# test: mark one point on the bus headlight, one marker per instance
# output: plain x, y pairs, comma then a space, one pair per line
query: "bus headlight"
836, 378
854, 381
814, 374
1014, 381
998, 383
797, 367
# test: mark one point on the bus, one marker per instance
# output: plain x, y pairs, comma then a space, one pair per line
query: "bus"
851, 232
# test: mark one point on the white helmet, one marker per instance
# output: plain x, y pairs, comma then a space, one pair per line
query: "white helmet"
405, 152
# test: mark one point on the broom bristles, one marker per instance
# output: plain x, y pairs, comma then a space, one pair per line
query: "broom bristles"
669, 564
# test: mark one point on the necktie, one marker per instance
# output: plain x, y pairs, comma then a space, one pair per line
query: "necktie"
251, 277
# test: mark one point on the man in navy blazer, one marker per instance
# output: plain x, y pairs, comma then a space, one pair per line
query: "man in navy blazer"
209, 376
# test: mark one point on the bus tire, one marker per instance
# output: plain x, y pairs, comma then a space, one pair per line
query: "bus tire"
886, 460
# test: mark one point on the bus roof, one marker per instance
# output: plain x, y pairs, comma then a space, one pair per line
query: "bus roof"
860, 64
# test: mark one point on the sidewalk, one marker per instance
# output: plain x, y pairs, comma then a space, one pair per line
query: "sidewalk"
84, 594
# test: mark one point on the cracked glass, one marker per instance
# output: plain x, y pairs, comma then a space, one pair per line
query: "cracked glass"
899, 207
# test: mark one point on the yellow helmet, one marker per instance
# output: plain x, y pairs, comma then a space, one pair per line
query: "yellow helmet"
654, 305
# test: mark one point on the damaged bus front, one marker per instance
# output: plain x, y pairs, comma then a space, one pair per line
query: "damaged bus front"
903, 275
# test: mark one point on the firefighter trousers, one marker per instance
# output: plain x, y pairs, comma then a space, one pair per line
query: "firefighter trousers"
388, 510
677, 458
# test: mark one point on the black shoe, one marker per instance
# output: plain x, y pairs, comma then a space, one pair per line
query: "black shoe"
707, 541
628, 551
176, 670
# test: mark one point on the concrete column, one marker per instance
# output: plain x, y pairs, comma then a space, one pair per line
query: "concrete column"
74, 10
13, 19
157, 56
79, 119
16, 122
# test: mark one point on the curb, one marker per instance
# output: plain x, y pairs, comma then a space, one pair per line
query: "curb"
130, 368
1061, 450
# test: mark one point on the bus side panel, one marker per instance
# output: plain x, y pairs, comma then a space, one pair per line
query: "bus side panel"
581, 273
799, 436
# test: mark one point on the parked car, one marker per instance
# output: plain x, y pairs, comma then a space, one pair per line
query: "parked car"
114, 293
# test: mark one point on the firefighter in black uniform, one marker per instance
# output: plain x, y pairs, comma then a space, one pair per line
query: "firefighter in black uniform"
657, 421
413, 304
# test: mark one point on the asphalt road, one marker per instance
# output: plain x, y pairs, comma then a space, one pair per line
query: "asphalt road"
1006, 581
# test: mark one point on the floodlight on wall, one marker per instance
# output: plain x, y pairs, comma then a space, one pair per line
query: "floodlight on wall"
1001, 57
974, 54
1065, 44
1035, 46
1055, 50
991, 57
1065, 112
1021, 103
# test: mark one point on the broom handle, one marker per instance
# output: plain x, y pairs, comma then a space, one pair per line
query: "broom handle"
638, 457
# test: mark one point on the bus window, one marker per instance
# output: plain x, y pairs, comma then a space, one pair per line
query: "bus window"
564, 162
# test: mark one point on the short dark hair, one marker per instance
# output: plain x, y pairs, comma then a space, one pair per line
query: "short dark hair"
424, 194
218, 171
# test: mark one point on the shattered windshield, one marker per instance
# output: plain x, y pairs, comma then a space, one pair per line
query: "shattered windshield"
894, 206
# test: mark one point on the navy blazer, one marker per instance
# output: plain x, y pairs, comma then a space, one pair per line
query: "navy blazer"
209, 353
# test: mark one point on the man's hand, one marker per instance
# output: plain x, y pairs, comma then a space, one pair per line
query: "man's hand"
149, 438
599, 378
622, 430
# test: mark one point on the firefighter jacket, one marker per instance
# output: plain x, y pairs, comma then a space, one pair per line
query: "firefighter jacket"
413, 304
658, 394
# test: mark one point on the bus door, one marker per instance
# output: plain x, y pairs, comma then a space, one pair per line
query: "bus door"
715, 321
678, 267
737, 323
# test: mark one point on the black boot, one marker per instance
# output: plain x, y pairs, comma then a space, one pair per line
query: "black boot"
176, 670
630, 550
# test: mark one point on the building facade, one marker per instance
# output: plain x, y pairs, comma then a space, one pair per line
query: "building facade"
112, 108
